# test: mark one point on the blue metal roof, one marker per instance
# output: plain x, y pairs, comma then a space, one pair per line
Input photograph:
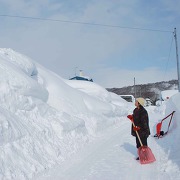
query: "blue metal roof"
81, 78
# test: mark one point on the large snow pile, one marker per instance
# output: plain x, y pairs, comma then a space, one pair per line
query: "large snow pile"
171, 143
168, 93
44, 118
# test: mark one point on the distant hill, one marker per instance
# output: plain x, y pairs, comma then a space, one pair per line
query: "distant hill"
150, 90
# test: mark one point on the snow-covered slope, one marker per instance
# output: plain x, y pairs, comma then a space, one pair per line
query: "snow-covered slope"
171, 143
44, 118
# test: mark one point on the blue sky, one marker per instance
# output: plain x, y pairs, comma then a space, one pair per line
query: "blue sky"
111, 56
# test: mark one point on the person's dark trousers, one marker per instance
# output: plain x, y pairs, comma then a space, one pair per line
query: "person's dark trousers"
143, 140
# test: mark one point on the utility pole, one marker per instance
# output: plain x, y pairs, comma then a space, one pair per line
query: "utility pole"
134, 88
177, 58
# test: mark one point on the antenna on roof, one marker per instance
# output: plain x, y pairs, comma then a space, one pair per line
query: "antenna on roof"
80, 73
75, 70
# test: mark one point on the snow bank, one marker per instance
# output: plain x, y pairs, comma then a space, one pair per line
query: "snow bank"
20, 61
170, 142
168, 93
44, 118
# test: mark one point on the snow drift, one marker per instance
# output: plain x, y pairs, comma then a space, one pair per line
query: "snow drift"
44, 118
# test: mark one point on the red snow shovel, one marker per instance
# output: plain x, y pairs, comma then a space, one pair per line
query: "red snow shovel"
145, 154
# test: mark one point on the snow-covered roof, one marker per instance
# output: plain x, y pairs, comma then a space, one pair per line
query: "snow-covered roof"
83, 78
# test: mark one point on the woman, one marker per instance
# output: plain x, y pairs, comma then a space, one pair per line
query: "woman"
141, 121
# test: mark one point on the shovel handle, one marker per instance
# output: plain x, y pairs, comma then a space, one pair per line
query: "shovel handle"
137, 135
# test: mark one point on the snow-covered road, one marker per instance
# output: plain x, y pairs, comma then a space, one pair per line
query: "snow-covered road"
111, 156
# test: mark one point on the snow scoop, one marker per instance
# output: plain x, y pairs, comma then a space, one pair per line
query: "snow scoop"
145, 154
160, 133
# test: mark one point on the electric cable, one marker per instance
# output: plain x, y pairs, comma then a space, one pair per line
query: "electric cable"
84, 23
168, 57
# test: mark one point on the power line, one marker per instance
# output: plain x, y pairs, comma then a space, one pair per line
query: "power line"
168, 57
85, 23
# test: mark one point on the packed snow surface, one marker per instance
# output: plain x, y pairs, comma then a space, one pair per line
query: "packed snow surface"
52, 128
